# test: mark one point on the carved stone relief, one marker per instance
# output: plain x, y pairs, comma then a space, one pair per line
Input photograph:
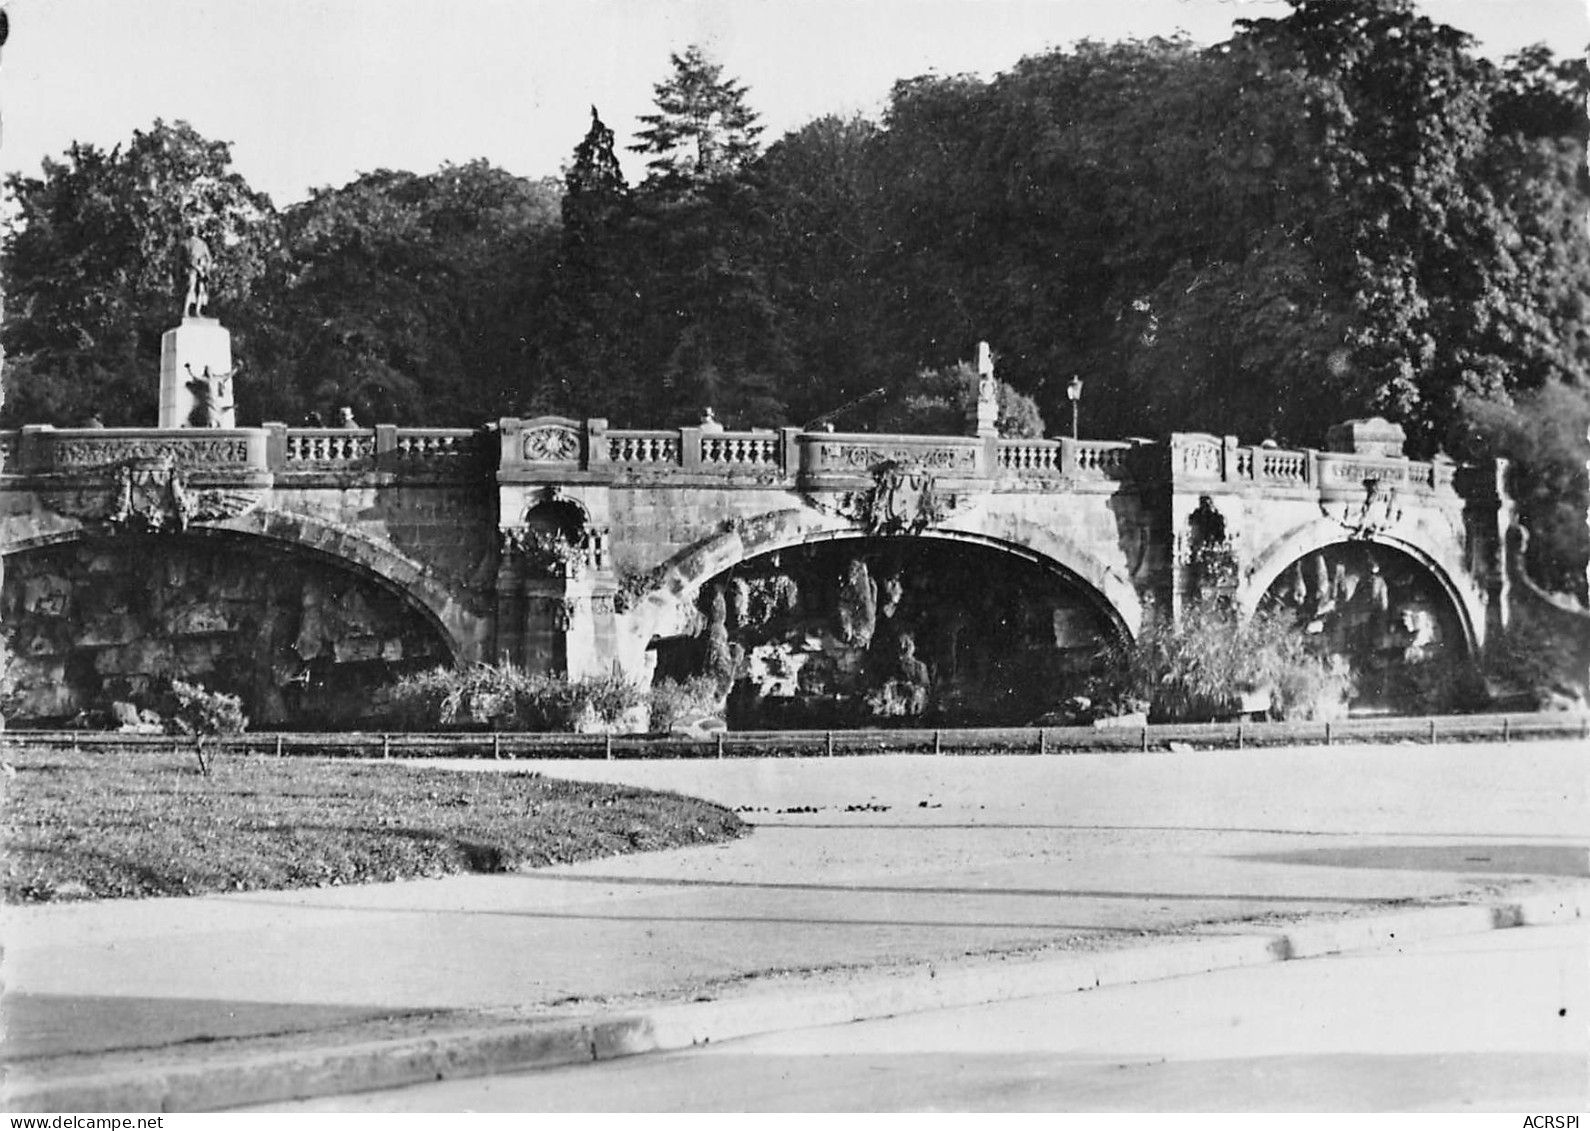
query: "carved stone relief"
150, 495
1378, 512
551, 443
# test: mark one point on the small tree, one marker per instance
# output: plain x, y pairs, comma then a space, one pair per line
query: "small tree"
196, 710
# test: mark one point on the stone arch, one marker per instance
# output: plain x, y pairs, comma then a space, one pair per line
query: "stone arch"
389, 621
1465, 600
664, 608
377, 561
1109, 589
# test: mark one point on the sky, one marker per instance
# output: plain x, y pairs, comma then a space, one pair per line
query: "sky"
312, 93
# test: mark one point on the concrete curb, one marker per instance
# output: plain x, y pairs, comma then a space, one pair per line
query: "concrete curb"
240, 1077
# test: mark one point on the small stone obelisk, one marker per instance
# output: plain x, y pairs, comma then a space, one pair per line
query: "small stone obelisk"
196, 356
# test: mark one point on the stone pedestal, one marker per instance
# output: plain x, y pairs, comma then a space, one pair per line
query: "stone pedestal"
983, 416
1375, 436
186, 351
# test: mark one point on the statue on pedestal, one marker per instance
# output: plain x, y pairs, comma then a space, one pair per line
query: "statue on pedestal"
198, 261
196, 354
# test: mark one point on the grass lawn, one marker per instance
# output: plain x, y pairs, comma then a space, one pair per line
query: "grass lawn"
114, 825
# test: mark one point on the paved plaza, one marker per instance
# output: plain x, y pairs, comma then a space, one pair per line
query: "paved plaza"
856, 866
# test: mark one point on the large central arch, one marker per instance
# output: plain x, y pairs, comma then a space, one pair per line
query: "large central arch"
658, 609
1046, 614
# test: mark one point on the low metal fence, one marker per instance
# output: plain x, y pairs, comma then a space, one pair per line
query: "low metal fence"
1175, 739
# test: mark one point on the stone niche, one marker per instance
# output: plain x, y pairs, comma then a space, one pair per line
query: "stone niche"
304, 643
1375, 436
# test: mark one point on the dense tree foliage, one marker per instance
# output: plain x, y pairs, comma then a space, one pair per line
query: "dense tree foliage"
1341, 211
397, 295
94, 273
659, 302
823, 202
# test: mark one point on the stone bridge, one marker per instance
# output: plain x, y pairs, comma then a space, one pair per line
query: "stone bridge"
304, 567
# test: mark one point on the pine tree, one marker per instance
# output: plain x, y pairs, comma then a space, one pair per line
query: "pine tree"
595, 192
588, 334
703, 130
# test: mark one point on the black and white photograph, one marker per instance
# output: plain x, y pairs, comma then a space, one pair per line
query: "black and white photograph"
564, 557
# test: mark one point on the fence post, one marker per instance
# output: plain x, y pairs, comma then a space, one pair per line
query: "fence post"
830, 744
1043, 741
278, 746
1239, 734
720, 744
937, 749
1506, 720
496, 745
1144, 746
1432, 730
1327, 732
386, 746
609, 746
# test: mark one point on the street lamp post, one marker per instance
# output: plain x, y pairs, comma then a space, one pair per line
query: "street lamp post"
1074, 395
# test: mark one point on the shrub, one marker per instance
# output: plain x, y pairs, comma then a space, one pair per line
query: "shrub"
481, 695
1200, 667
1530, 662
504, 697
673, 702
608, 697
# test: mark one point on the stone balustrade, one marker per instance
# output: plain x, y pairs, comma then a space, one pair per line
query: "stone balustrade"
554, 447
43, 450
761, 454
1063, 459
40, 449
385, 448
306, 449
740, 451
644, 449
1201, 456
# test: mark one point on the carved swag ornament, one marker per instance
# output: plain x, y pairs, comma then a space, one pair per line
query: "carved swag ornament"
150, 495
1378, 512
901, 501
